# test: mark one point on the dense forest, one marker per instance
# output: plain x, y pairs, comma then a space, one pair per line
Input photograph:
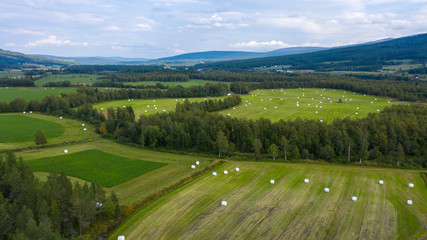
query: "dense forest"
55, 209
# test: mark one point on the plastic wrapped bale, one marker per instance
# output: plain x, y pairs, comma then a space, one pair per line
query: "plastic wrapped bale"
65, 151
223, 203
272, 181
326, 189
381, 182
121, 238
410, 185
237, 169
354, 199
83, 124
197, 162
84, 129
60, 117
225, 172
193, 166
214, 173
306, 180
409, 202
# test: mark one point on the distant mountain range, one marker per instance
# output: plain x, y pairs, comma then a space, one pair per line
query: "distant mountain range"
362, 57
368, 55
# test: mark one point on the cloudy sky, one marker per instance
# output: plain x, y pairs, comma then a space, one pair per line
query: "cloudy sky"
160, 28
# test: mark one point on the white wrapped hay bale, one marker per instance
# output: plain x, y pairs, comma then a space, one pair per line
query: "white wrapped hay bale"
409, 202
84, 129
121, 238
65, 151
410, 185
223, 203
381, 182
225, 172
272, 181
193, 166
60, 117
83, 124
354, 199
197, 163
326, 189
214, 173
306, 180
237, 169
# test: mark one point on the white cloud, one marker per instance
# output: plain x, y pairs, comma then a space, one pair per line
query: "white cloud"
20, 31
10, 45
272, 43
113, 28
295, 22
144, 27
52, 40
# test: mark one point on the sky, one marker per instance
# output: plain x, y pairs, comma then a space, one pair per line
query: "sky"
162, 28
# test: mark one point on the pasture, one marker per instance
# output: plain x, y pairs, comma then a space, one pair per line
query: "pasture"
192, 82
73, 78
151, 106
17, 130
8, 94
176, 166
95, 166
289, 208
308, 103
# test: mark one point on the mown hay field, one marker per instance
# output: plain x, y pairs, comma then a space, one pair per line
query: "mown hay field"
8, 94
290, 208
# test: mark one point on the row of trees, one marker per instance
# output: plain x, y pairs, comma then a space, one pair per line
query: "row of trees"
139, 77
397, 136
55, 209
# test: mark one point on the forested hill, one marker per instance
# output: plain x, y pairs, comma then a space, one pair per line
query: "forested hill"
16, 60
365, 57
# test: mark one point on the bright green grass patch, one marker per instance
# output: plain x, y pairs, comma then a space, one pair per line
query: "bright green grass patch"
289, 104
9, 94
73, 78
19, 128
149, 107
288, 209
95, 166
174, 84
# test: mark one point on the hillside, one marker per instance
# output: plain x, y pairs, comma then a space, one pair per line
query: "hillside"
16, 60
240, 54
97, 60
367, 57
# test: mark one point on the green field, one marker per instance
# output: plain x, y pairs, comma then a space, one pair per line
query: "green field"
8, 94
150, 107
290, 208
17, 130
95, 166
73, 78
279, 104
137, 189
190, 83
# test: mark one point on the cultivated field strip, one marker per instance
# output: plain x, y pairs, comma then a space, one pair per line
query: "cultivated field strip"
290, 208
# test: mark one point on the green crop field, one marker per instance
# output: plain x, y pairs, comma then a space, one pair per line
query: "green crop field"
95, 166
309, 103
150, 107
176, 167
290, 208
73, 78
17, 130
8, 94
190, 83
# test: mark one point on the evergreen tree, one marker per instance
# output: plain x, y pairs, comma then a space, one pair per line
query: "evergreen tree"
40, 138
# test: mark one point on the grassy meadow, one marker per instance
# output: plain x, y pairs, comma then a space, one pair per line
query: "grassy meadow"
95, 166
17, 130
290, 208
176, 166
8, 94
73, 78
308, 103
276, 104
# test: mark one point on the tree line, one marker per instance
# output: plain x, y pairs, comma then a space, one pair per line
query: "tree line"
54, 209
395, 137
